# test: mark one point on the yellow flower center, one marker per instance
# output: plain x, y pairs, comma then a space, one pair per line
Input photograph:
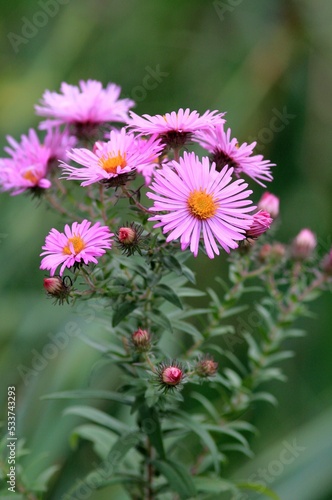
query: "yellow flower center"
110, 163
77, 243
201, 204
29, 175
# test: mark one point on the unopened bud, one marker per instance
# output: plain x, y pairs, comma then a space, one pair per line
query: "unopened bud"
58, 288
206, 367
170, 375
270, 203
141, 339
129, 239
126, 235
273, 252
327, 263
260, 224
303, 245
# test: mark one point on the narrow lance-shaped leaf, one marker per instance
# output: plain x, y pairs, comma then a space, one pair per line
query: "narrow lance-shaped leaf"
177, 479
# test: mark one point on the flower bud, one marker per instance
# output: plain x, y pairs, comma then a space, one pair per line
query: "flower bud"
272, 252
206, 367
260, 224
126, 235
141, 339
303, 245
327, 263
58, 288
270, 203
129, 239
170, 375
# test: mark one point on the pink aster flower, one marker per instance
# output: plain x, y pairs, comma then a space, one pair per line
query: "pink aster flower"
121, 155
79, 243
27, 167
58, 142
18, 179
227, 151
175, 128
262, 221
86, 105
200, 201
29, 150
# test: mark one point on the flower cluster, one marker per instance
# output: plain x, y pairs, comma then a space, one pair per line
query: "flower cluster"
196, 201
134, 196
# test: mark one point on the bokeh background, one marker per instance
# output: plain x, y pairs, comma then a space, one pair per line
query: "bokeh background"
257, 60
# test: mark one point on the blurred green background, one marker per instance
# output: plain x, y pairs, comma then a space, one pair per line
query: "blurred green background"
255, 59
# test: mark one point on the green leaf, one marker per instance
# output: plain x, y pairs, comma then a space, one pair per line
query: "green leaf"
190, 292
40, 484
182, 326
160, 319
188, 422
221, 429
151, 427
232, 311
222, 330
98, 477
177, 477
102, 439
168, 294
238, 447
91, 394
172, 264
264, 396
98, 417
254, 352
121, 447
123, 311
207, 405
233, 377
279, 356
189, 274
214, 485
259, 488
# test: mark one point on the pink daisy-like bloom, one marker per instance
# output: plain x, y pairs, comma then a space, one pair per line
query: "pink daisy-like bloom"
227, 151
80, 243
262, 221
120, 156
83, 106
200, 201
59, 141
28, 166
29, 150
175, 128
17, 179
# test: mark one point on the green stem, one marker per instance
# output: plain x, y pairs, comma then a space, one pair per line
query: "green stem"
137, 203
